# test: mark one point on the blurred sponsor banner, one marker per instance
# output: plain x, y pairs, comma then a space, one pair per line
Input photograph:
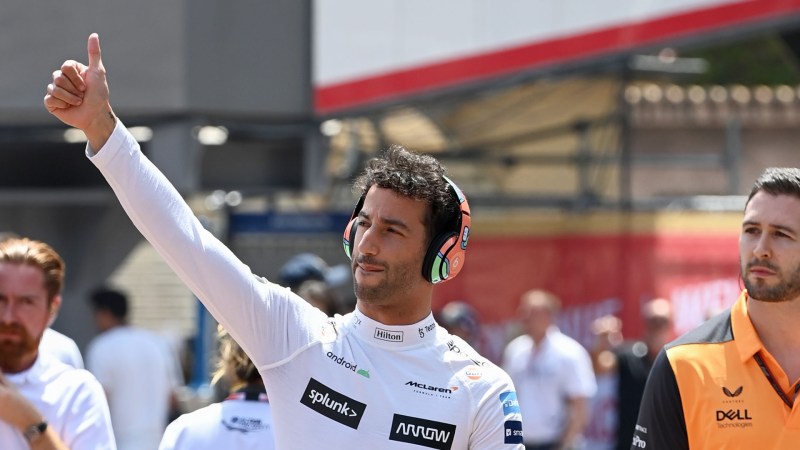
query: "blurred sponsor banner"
597, 275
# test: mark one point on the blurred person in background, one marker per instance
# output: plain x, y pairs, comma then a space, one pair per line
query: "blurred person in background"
53, 343
137, 369
242, 421
328, 288
601, 431
44, 403
319, 295
462, 320
553, 376
635, 359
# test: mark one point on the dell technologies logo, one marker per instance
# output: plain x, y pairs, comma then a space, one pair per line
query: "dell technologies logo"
332, 404
733, 414
426, 433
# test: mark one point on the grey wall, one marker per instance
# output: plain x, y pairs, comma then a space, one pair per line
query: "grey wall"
163, 57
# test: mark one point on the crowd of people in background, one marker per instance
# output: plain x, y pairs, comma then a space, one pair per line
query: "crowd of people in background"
573, 397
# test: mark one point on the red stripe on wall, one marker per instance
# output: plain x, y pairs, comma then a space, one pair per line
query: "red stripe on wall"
397, 84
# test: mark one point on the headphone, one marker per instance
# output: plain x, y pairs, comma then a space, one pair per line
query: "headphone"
446, 253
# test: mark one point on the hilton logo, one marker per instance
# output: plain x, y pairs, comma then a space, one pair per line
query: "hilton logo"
386, 335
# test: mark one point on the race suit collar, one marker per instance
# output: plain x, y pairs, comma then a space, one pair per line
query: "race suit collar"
393, 336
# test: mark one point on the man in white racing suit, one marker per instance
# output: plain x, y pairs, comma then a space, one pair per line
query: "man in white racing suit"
383, 376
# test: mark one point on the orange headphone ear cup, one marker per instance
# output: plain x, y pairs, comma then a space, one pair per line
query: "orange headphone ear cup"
436, 265
447, 252
349, 237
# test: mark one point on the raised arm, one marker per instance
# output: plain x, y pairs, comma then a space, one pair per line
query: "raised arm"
256, 312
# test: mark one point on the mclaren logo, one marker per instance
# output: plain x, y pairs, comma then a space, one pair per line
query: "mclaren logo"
732, 394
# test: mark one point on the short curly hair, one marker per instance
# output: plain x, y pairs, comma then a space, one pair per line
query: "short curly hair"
416, 176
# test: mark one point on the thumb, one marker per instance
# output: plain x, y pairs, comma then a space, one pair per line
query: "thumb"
94, 52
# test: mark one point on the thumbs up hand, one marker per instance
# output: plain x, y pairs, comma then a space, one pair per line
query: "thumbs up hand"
78, 96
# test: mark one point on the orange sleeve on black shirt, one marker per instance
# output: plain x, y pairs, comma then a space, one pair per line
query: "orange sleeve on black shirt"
661, 424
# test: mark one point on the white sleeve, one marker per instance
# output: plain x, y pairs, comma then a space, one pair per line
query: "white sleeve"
579, 375
268, 321
498, 422
170, 439
73, 353
88, 426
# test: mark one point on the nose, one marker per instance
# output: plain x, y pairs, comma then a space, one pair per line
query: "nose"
367, 243
7, 313
762, 249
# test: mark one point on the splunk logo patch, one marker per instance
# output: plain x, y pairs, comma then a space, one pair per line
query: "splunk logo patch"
427, 433
332, 404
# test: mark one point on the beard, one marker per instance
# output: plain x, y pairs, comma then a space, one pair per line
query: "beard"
12, 352
396, 279
787, 288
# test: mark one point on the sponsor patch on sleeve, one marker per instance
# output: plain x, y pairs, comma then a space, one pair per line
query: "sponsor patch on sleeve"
513, 432
509, 401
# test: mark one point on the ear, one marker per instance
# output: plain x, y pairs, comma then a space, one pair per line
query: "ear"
53, 308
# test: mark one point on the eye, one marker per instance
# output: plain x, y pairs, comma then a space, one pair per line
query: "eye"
750, 230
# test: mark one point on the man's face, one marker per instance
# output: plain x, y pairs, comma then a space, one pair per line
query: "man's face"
537, 319
24, 315
390, 242
769, 247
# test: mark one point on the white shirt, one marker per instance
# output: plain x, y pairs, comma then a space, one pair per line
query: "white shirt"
345, 382
137, 374
62, 347
235, 423
72, 402
560, 369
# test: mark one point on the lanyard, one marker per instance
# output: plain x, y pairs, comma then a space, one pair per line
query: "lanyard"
771, 379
